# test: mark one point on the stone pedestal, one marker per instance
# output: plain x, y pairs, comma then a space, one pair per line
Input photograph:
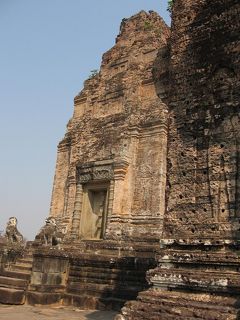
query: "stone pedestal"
194, 280
48, 278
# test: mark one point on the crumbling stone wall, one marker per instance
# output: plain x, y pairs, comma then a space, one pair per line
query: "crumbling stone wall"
203, 150
198, 262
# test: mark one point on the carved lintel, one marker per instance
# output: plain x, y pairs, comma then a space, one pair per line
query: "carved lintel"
95, 172
99, 171
103, 173
85, 177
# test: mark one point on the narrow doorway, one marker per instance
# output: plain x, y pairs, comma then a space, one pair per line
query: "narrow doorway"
94, 212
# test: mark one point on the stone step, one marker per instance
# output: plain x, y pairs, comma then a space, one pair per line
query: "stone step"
107, 281
167, 311
209, 271
169, 305
25, 260
22, 264
117, 275
98, 261
91, 270
105, 290
12, 296
92, 303
20, 267
15, 274
13, 282
43, 298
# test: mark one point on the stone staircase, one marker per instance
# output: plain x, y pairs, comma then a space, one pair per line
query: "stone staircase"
90, 274
191, 282
166, 305
106, 280
14, 280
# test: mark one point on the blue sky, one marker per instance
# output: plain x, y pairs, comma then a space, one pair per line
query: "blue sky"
48, 48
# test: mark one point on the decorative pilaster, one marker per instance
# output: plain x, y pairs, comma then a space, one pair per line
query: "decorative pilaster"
77, 211
111, 197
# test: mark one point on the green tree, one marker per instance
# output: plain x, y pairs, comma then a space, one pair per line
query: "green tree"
170, 5
93, 73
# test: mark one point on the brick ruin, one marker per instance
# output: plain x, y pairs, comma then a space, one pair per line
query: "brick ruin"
109, 157
147, 186
198, 262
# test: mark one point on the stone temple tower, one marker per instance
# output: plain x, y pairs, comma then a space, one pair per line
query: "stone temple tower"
147, 182
111, 166
198, 272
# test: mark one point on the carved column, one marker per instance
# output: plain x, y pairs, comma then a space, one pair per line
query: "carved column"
120, 170
77, 212
111, 197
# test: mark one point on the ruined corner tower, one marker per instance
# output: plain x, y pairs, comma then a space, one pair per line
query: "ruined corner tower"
111, 166
198, 272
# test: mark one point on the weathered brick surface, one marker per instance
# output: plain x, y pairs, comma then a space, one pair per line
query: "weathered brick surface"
204, 134
198, 272
120, 120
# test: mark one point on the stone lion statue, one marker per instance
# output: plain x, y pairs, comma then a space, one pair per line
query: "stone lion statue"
12, 234
49, 234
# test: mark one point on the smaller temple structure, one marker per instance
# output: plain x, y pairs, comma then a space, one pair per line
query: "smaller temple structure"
111, 165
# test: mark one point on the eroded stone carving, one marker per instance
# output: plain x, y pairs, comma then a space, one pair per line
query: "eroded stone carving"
103, 172
50, 234
12, 234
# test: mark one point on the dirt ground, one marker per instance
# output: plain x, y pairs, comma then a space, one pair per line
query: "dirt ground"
10, 312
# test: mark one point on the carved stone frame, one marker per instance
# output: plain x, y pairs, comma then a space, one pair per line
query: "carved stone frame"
99, 173
92, 187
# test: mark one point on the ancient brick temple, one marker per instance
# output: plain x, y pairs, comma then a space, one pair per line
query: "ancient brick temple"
147, 184
198, 262
110, 176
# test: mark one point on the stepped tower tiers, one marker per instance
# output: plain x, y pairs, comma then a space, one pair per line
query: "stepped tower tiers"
111, 165
109, 187
147, 177
199, 263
